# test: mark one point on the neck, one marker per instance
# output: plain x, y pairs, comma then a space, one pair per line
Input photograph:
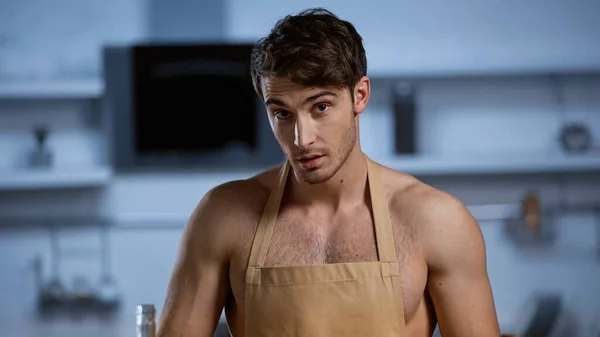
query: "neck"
346, 187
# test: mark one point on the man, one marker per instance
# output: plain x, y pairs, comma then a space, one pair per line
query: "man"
331, 243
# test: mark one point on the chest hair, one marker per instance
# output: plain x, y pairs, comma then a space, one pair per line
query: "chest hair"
301, 240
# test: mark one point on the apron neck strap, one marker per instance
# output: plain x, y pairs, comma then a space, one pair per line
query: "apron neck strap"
260, 245
386, 248
384, 236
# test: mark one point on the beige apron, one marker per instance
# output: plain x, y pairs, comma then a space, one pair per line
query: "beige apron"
341, 299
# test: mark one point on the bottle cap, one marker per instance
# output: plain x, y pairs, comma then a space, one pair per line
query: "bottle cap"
145, 309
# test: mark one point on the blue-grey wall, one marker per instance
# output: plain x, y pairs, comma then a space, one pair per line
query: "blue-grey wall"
490, 117
188, 20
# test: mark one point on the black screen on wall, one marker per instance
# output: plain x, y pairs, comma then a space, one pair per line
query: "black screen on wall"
193, 99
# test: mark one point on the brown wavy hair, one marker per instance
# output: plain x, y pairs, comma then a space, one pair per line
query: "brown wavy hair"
311, 48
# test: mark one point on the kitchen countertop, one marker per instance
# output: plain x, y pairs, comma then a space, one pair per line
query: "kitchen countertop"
93, 327
27, 325
87, 329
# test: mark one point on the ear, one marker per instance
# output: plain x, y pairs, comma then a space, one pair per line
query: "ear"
362, 92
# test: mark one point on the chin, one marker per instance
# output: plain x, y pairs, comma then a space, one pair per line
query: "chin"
313, 177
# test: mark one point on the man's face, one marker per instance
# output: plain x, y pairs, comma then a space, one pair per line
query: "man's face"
315, 126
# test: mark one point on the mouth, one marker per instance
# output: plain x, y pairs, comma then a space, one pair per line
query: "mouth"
310, 161
309, 157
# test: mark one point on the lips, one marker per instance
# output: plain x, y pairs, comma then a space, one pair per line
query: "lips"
312, 156
310, 161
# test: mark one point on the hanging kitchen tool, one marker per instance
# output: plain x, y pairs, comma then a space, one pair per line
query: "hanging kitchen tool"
532, 227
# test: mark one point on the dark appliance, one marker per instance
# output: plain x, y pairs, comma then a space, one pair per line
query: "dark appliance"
175, 105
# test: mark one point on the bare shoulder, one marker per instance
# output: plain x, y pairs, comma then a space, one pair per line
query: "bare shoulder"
439, 219
449, 259
229, 210
234, 198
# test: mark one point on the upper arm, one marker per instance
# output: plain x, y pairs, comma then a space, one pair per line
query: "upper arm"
199, 283
458, 281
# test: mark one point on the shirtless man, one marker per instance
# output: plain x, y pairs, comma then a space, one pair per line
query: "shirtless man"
330, 243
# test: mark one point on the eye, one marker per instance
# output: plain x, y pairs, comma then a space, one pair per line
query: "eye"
282, 114
322, 107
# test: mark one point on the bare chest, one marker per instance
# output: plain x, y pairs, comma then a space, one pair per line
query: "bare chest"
301, 240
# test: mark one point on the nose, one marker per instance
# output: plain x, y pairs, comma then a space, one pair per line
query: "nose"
304, 133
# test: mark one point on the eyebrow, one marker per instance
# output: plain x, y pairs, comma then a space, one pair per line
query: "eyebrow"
275, 101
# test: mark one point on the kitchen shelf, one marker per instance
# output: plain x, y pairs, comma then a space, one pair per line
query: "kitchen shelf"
459, 69
414, 165
52, 90
54, 178
500, 164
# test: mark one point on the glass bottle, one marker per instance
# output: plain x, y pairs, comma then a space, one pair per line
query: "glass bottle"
145, 320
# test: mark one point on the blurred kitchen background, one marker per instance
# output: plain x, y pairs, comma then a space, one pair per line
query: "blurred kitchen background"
496, 102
